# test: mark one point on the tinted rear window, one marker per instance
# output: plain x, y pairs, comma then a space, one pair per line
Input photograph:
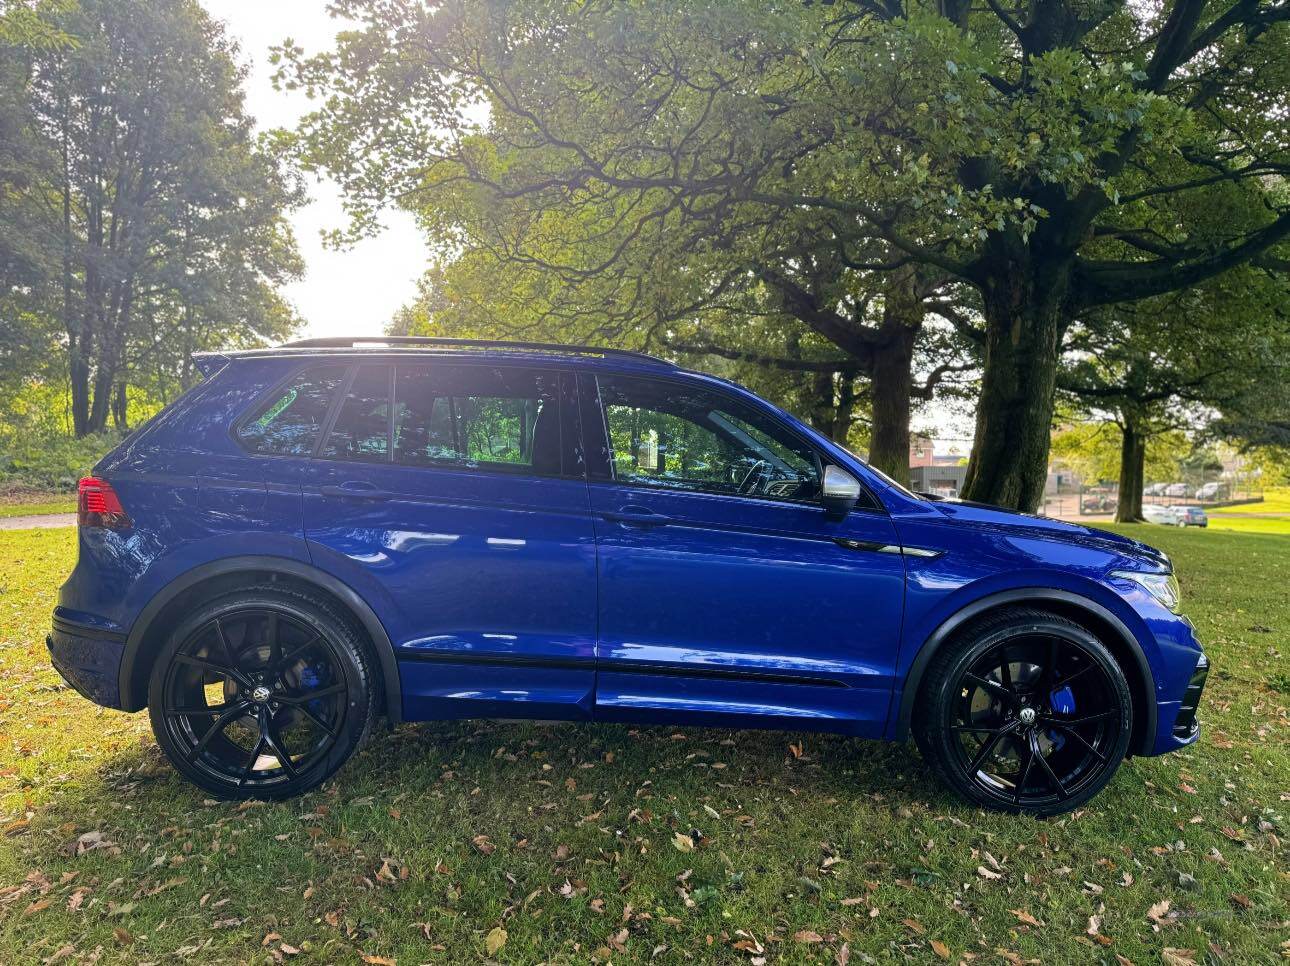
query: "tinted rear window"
289, 423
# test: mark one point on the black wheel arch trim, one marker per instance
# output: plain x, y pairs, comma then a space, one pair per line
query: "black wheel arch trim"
271, 565
1033, 596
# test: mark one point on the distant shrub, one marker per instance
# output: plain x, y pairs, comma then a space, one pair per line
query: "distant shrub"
37, 450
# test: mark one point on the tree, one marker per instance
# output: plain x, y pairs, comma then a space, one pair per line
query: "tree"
167, 211
1047, 154
1192, 360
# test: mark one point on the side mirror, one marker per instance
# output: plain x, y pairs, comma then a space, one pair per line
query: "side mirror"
840, 491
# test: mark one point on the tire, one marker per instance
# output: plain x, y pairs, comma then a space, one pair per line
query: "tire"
1031, 686
262, 693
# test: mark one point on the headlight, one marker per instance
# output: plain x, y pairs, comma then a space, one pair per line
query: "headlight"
1163, 587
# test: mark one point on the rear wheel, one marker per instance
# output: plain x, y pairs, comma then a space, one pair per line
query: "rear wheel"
1026, 712
262, 693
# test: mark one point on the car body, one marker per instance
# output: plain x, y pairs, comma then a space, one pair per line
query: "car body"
326, 533
1155, 489
1178, 489
1212, 491
1159, 513
1190, 516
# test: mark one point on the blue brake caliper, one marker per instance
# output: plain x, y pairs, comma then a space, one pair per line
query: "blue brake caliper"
1063, 702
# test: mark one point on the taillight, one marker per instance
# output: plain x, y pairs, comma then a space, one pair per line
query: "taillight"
99, 506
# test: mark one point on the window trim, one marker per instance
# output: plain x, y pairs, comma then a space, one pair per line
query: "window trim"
867, 503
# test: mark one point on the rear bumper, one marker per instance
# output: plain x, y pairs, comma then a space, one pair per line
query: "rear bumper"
88, 656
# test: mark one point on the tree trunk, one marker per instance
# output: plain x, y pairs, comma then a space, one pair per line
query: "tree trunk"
1025, 321
1133, 458
845, 410
891, 383
78, 369
823, 403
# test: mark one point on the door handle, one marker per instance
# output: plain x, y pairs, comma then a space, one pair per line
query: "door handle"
634, 516
355, 491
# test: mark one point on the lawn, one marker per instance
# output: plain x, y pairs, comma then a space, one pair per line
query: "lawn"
22, 503
462, 841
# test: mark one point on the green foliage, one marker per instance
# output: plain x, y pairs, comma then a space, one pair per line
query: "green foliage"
652, 161
37, 448
142, 218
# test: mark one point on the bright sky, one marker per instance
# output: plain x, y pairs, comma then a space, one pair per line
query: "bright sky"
352, 292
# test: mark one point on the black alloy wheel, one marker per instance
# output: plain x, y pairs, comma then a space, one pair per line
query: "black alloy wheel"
1029, 712
261, 694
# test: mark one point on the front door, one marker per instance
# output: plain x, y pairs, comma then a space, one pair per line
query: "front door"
452, 495
728, 595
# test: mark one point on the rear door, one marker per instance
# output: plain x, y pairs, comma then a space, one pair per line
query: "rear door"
453, 493
727, 593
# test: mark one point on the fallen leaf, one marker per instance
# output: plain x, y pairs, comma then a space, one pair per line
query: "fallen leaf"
495, 940
940, 949
1157, 912
683, 842
1026, 917
808, 936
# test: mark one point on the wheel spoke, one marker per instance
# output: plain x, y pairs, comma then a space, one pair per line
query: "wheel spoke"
274, 746
987, 749
217, 727
1037, 752
1021, 778
1080, 738
317, 721
223, 670
1087, 719
204, 709
299, 699
991, 687
290, 657
249, 766
1050, 669
1064, 682
1005, 671
275, 646
223, 643
979, 729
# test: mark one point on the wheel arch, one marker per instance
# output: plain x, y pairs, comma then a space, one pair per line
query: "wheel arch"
1107, 626
149, 630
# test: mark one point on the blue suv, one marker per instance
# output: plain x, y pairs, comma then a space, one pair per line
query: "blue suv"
337, 531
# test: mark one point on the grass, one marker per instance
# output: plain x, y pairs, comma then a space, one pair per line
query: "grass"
566, 836
21, 503
1276, 499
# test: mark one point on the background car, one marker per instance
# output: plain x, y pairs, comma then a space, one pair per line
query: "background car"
1178, 489
1155, 489
1190, 516
337, 531
1212, 491
1156, 513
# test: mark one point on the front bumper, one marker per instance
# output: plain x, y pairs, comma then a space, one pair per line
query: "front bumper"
88, 657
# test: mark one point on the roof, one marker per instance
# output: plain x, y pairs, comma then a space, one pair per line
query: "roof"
455, 348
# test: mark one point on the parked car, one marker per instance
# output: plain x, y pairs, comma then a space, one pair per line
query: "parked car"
1155, 489
336, 531
1212, 491
1178, 489
1157, 513
1190, 516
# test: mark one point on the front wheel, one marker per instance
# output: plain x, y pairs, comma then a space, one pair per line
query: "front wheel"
262, 693
1026, 712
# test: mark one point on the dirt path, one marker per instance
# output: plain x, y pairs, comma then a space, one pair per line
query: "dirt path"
41, 520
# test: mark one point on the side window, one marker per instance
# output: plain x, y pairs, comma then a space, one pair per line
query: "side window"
289, 424
498, 418
362, 427
687, 438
